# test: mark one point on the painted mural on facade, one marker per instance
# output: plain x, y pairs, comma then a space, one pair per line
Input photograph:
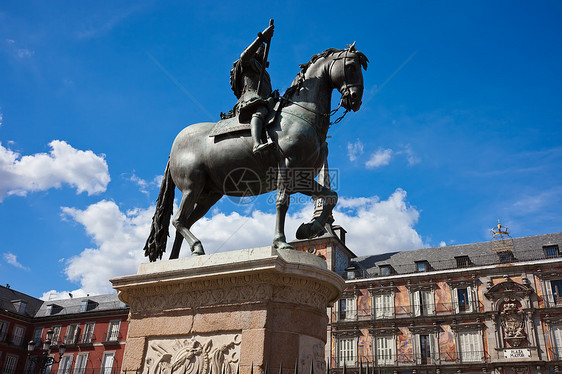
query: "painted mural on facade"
405, 349
442, 298
447, 347
364, 303
402, 301
364, 345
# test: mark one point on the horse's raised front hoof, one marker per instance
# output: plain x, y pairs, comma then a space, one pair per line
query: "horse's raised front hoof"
197, 250
309, 230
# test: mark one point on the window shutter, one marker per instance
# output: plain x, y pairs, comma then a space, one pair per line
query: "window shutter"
455, 298
557, 332
471, 304
433, 348
417, 305
428, 302
549, 296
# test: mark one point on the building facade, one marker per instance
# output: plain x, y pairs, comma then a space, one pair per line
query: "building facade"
93, 330
491, 307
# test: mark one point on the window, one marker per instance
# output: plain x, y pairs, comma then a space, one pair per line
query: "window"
65, 364
107, 362
384, 305
424, 348
553, 290
56, 335
10, 364
113, 331
29, 366
386, 269
423, 303
505, 257
346, 352
347, 309
3, 330
87, 305
463, 299
557, 332
422, 266
88, 333
72, 333
385, 350
471, 346
463, 261
37, 335
551, 251
81, 362
21, 307
19, 332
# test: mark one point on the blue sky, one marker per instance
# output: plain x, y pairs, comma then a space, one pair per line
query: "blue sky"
460, 126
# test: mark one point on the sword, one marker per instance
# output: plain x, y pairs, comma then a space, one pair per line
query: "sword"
264, 62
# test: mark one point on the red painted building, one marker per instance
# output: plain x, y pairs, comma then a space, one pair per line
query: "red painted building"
93, 330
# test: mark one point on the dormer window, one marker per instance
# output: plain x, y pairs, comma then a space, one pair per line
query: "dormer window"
87, 305
386, 269
551, 251
463, 261
505, 257
422, 266
20, 306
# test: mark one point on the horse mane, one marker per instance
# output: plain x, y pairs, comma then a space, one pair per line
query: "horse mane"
328, 52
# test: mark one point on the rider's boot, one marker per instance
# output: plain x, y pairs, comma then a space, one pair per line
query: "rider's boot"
256, 126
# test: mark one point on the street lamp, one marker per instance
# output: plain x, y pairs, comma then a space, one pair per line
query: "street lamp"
45, 360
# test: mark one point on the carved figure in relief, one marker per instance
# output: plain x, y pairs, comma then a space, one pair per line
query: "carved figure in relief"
192, 356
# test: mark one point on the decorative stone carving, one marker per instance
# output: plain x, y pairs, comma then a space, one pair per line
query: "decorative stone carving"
512, 321
193, 355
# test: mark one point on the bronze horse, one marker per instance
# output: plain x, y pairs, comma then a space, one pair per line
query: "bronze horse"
206, 168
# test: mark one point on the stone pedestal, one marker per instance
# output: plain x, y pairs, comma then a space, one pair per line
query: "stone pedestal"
256, 306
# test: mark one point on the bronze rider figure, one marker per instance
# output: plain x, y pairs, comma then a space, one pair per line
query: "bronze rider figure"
253, 106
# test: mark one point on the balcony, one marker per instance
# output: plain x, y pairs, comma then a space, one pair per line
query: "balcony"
439, 309
410, 360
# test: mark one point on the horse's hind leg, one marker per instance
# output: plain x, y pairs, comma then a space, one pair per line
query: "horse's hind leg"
206, 201
180, 221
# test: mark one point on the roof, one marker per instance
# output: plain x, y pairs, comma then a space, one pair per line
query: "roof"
77, 305
440, 258
10, 300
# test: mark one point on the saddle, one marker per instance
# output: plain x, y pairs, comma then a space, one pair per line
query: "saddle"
229, 125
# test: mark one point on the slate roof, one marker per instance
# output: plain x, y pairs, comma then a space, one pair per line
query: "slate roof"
96, 303
9, 302
440, 258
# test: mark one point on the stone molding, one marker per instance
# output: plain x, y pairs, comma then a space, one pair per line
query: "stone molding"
234, 278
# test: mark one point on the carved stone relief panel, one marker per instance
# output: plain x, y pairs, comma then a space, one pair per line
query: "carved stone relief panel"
311, 351
197, 354
512, 320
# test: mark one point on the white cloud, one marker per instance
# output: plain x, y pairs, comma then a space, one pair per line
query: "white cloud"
1, 118
410, 154
83, 170
18, 51
374, 226
145, 185
380, 158
354, 150
12, 259
442, 244
59, 295
379, 226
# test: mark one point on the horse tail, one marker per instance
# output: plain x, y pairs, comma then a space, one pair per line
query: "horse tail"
156, 243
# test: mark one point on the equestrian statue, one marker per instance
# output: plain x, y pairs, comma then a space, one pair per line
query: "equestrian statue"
260, 146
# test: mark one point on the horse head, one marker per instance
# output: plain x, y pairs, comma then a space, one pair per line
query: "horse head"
347, 77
